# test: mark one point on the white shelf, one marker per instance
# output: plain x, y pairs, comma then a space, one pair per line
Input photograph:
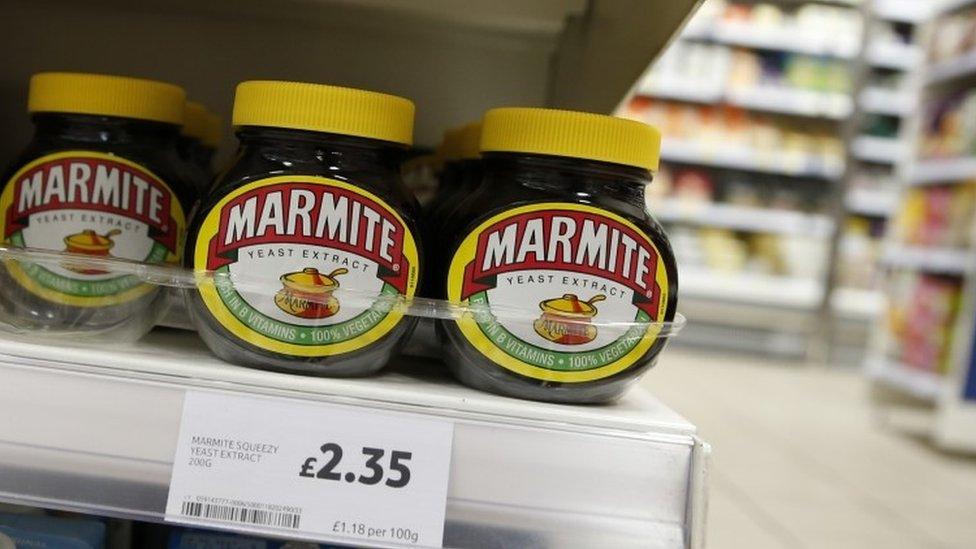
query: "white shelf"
936, 260
873, 202
964, 65
721, 155
894, 55
751, 288
94, 430
693, 92
878, 149
883, 101
857, 303
796, 101
947, 6
950, 170
730, 216
905, 11
772, 99
921, 384
782, 38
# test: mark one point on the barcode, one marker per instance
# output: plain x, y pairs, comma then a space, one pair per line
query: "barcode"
230, 513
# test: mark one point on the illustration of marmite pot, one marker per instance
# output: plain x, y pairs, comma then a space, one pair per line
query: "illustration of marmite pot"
567, 320
89, 242
308, 293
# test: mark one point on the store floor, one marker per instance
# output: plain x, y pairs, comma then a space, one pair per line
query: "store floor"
800, 459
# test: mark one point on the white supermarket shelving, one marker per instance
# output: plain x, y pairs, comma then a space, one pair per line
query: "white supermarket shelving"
949, 170
949, 418
94, 430
788, 100
743, 218
857, 302
904, 11
894, 55
751, 288
693, 92
964, 65
919, 383
936, 260
778, 38
884, 101
882, 150
771, 99
946, 6
878, 202
722, 155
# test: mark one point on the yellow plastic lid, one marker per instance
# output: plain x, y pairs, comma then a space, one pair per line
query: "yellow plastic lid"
106, 95
213, 130
322, 108
194, 120
200, 123
469, 141
571, 134
450, 147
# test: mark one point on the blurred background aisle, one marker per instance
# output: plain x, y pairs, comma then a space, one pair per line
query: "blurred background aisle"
801, 460
819, 188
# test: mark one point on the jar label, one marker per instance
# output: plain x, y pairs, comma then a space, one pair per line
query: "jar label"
561, 292
305, 265
94, 204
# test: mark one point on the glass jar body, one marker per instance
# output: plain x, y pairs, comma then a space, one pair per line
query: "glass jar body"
553, 301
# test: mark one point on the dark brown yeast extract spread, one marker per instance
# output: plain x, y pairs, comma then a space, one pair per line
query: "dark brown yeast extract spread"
100, 178
566, 277
305, 247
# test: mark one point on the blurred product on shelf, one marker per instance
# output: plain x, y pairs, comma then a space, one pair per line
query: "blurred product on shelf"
887, 80
956, 36
419, 173
937, 216
892, 33
729, 251
198, 142
879, 125
920, 319
751, 70
146, 535
725, 129
811, 27
187, 538
872, 181
687, 186
31, 529
761, 80
860, 249
949, 127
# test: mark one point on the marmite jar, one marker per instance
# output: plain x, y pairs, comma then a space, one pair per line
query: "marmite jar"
305, 248
462, 172
565, 281
468, 176
100, 178
447, 175
198, 142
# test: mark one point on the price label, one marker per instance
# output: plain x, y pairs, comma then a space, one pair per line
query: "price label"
318, 471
